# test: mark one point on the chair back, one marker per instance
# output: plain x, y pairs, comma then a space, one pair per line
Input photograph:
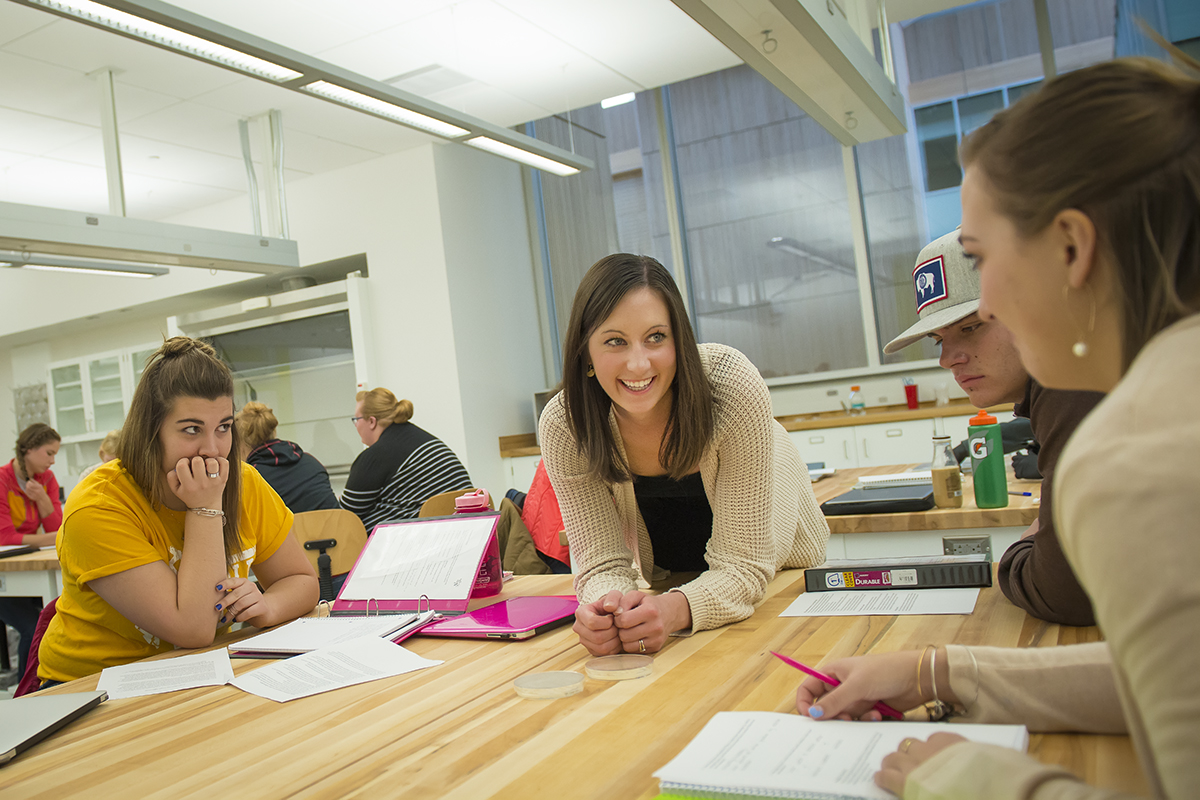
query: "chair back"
337, 524
442, 505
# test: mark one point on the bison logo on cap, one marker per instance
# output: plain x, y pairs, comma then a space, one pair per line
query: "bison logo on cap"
929, 278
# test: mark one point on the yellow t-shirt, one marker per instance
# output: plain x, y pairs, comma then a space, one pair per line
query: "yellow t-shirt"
108, 527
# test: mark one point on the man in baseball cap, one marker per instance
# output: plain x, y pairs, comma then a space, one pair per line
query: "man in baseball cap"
1033, 573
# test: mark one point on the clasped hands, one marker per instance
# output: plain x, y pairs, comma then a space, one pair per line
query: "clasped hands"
890, 677
633, 622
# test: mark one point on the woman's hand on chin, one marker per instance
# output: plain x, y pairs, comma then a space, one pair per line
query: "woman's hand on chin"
192, 483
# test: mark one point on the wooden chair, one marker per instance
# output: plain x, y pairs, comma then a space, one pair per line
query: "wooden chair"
442, 505
332, 538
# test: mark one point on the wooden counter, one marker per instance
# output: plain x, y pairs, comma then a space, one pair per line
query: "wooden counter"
31, 575
525, 444
1020, 511
459, 731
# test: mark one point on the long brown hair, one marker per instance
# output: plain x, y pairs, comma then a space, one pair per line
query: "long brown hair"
182, 367
690, 425
1119, 141
33, 437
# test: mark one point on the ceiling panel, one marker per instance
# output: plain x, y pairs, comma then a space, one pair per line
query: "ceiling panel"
304, 152
650, 43
190, 125
35, 134
48, 182
16, 21
86, 49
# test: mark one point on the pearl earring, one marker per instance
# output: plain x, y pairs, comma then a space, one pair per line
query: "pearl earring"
1080, 348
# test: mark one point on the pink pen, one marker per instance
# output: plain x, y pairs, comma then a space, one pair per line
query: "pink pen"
881, 707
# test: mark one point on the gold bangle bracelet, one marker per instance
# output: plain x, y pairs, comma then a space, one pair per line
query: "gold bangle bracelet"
920, 659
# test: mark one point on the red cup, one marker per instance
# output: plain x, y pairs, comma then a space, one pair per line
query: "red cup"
910, 395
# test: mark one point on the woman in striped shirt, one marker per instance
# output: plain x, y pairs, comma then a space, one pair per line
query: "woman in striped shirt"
403, 465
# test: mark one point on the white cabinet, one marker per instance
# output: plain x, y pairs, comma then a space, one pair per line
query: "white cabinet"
519, 473
837, 447
879, 444
90, 396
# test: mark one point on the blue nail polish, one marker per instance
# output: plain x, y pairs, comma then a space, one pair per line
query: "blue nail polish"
218, 606
816, 712
219, 587
222, 620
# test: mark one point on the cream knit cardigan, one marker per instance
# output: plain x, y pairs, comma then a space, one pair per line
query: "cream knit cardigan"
765, 517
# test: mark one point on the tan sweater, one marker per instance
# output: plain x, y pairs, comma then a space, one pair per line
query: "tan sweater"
765, 517
1128, 512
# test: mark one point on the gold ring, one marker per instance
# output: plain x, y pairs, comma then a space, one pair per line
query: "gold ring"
907, 743
642, 645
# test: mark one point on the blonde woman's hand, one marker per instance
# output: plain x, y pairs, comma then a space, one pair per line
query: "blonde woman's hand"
193, 481
911, 754
36, 492
865, 680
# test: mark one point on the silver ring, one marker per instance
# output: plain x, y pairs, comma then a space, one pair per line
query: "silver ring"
642, 645
214, 474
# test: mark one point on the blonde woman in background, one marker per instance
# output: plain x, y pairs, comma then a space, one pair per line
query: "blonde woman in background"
107, 452
403, 465
298, 477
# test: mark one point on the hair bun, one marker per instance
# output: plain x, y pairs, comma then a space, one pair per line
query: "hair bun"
182, 345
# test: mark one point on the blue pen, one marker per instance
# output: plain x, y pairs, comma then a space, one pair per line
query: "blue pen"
1022, 494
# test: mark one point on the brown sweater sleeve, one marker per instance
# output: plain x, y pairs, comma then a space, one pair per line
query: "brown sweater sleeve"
1034, 573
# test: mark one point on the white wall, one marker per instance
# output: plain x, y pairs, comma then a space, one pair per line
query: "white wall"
496, 332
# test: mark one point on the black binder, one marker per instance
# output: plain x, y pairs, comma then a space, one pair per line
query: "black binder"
880, 500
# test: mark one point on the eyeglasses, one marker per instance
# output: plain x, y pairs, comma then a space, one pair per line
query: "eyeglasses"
354, 419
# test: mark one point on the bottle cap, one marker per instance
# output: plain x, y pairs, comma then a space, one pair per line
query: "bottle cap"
982, 418
854, 388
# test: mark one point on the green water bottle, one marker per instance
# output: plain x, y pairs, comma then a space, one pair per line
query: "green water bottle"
987, 461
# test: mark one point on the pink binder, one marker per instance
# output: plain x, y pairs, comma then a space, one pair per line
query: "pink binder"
405, 554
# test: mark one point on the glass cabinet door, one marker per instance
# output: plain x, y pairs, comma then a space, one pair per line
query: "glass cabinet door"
67, 386
108, 404
139, 363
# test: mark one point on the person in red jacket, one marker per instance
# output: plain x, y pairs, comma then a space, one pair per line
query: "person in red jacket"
30, 513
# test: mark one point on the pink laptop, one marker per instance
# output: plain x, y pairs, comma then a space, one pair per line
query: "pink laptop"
515, 618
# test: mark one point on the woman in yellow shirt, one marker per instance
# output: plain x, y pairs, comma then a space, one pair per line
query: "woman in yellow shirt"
156, 547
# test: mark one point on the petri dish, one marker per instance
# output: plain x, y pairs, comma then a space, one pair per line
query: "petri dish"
619, 668
549, 685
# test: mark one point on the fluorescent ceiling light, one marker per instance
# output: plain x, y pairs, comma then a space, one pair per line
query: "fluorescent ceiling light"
523, 156
392, 111
619, 100
83, 266
176, 40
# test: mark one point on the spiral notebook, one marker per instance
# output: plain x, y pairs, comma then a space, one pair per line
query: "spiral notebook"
766, 754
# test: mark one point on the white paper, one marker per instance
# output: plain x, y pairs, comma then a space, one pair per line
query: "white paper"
313, 633
356, 661
169, 675
789, 753
885, 602
438, 559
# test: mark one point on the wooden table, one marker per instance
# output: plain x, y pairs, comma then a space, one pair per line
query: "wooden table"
921, 532
31, 575
459, 731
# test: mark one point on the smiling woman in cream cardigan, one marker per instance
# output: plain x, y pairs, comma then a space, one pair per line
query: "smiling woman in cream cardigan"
666, 463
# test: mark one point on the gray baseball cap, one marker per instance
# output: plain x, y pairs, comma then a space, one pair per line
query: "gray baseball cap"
946, 286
